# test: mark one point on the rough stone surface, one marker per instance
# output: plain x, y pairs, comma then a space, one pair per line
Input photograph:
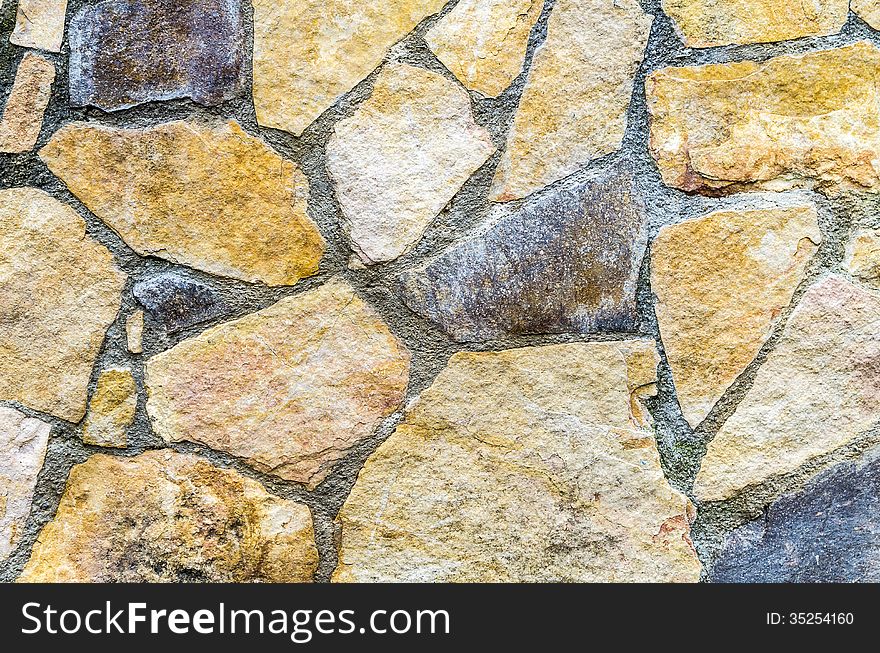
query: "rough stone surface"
483, 42
211, 197
23, 113
40, 24
400, 159
867, 10
290, 388
60, 291
308, 53
863, 256
817, 391
23, 442
134, 332
794, 121
534, 464
111, 410
721, 283
178, 302
126, 52
565, 262
573, 108
708, 23
168, 517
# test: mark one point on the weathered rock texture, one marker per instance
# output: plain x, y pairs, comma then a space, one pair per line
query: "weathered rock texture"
178, 302
168, 517
60, 291
573, 108
23, 113
134, 332
863, 256
290, 388
867, 10
111, 410
211, 197
400, 159
722, 282
40, 24
794, 121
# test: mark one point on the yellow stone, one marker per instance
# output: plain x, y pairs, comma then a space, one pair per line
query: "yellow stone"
535, 464
208, 196
134, 332
26, 104
168, 517
111, 410
40, 24
309, 53
794, 121
863, 256
867, 10
483, 42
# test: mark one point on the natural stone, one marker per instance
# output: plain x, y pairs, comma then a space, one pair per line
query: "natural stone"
709, 23
309, 53
400, 159
483, 42
817, 391
60, 291
169, 517
528, 465
290, 388
794, 121
574, 105
722, 282
863, 256
211, 197
178, 302
565, 262
134, 332
23, 442
40, 24
126, 52
868, 11
26, 104
111, 410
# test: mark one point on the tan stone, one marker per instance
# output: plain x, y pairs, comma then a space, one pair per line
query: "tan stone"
290, 388
211, 197
23, 442
168, 517
483, 42
40, 24
111, 410
309, 53
400, 159
573, 108
59, 291
27, 101
534, 464
863, 256
818, 390
794, 121
867, 10
134, 332
708, 23
722, 282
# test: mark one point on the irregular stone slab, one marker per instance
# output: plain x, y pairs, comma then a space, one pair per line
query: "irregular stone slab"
26, 104
868, 11
483, 42
863, 256
309, 53
40, 24
134, 332
573, 108
816, 392
211, 197
566, 262
794, 121
60, 292
23, 442
178, 302
290, 388
111, 410
168, 517
709, 23
126, 52
825, 534
722, 282
400, 159
528, 465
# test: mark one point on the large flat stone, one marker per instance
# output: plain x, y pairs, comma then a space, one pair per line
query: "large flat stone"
23, 113
40, 24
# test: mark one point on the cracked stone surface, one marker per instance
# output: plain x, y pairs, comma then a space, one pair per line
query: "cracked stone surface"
178, 302
23, 113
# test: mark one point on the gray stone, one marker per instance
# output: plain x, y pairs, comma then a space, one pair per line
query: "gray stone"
177, 302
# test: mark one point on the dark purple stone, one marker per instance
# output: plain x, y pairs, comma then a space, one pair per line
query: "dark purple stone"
178, 302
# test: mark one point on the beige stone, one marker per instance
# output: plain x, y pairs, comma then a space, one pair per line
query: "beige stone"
134, 332
290, 388
535, 464
40, 24
867, 10
794, 121
400, 159
862, 259
168, 517
26, 104
59, 291
483, 42
23, 442
111, 410
309, 53
574, 105
722, 282
818, 390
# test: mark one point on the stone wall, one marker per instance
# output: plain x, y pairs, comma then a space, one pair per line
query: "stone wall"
487, 290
